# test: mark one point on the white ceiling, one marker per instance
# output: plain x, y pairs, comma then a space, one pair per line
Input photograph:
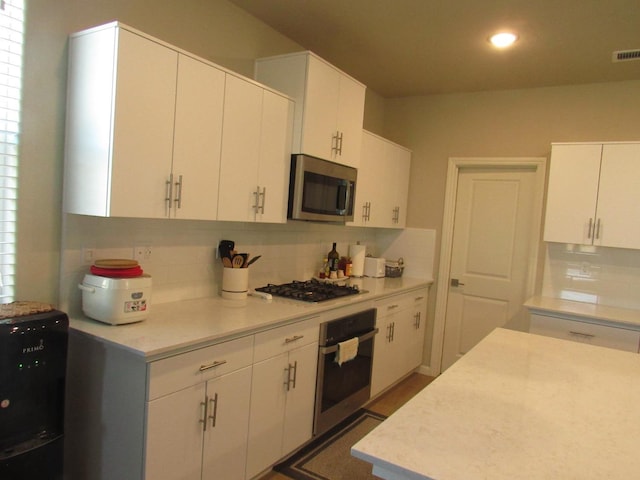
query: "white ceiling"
419, 47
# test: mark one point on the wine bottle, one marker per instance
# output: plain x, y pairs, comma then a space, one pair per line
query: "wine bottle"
334, 258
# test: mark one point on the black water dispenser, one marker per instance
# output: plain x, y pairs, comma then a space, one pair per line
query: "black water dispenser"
33, 358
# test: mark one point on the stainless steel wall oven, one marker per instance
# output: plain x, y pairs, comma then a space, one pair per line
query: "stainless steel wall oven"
342, 389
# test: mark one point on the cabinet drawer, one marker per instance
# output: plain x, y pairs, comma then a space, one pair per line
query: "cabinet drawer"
388, 306
175, 373
282, 339
601, 335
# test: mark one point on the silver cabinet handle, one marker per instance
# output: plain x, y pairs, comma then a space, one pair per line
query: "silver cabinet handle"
590, 228
340, 143
581, 334
391, 307
295, 338
213, 405
178, 199
291, 382
203, 420
597, 234
417, 316
417, 299
391, 330
264, 196
295, 373
335, 142
256, 195
212, 365
168, 193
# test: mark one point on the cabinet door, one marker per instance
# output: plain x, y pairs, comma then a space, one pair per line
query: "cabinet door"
268, 400
240, 150
298, 419
349, 121
619, 197
225, 438
398, 168
275, 158
320, 109
197, 140
572, 193
144, 104
174, 435
417, 328
368, 184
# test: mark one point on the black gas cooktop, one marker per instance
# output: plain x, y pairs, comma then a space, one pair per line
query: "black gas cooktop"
310, 290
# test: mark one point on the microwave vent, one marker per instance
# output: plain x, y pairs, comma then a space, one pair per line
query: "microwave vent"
626, 55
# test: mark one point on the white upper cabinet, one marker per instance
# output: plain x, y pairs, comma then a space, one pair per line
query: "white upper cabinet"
329, 105
197, 140
120, 117
256, 151
593, 197
151, 129
383, 183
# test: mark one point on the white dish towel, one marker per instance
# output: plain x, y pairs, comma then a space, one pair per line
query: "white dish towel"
347, 350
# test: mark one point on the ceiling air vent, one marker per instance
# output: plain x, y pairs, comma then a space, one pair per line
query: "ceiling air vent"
626, 55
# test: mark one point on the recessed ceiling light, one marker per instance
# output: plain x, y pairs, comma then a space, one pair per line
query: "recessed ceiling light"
503, 39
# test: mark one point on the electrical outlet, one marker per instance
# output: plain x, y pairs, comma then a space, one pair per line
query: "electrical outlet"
142, 253
585, 269
88, 255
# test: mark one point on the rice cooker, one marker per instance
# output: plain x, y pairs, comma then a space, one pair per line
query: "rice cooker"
116, 300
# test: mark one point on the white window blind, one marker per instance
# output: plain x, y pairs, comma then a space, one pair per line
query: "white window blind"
11, 42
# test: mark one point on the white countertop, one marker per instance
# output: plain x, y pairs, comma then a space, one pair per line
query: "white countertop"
517, 406
588, 311
178, 326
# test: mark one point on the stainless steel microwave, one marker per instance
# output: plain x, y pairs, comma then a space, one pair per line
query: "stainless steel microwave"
320, 190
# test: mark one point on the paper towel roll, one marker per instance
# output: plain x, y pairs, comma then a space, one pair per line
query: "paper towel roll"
357, 253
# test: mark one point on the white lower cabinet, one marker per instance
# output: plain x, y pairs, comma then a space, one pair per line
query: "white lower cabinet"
401, 322
192, 432
585, 332
282, 393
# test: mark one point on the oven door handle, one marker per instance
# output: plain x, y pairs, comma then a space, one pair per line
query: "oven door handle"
363, 338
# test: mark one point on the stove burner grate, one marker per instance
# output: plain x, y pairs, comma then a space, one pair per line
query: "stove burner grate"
309, 291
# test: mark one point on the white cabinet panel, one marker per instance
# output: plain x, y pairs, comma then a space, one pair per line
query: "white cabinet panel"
197, 140
593, 197
255, 160
382, 189
329, 105
584, 332
119, 134
282, 393
401, 321
619, 196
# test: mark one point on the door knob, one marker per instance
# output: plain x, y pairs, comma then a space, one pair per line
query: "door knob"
456, 283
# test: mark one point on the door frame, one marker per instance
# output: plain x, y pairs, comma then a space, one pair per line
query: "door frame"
446, 244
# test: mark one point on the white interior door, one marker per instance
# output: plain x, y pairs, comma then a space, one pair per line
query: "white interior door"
493, 230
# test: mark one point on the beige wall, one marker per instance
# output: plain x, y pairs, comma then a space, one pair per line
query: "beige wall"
213, 29
505, 123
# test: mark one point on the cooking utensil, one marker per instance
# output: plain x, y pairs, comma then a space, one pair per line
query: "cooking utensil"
225, 247
253, 260
237, 261
226, 262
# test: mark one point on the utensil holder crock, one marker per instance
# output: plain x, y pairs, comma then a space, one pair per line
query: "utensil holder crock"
235, 283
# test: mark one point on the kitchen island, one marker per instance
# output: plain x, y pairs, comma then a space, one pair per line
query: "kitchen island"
517, 405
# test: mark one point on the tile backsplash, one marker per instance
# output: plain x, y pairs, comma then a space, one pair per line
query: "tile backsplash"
606, 276
183, 262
